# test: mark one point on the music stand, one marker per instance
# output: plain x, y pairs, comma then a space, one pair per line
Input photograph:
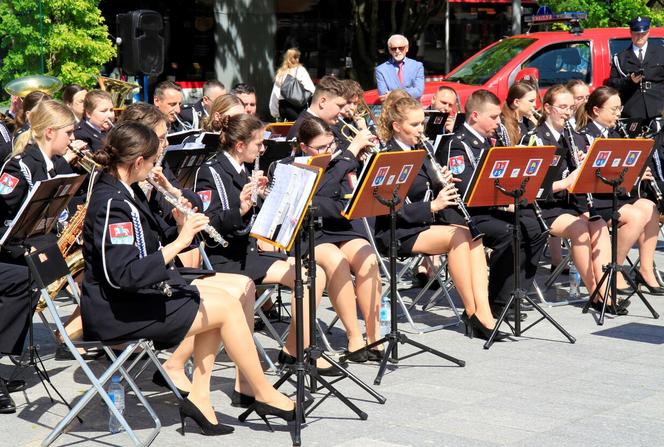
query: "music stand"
36, 216
435, 123
381, 189
184, 162
512, 176
275, 150
611, 165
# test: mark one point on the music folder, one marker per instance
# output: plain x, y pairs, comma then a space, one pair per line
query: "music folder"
184, 162
509, 167
435, 123
284, 208
42, 207
612, 157
384, 174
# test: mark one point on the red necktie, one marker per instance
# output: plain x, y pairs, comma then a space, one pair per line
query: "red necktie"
400, 73
492, 141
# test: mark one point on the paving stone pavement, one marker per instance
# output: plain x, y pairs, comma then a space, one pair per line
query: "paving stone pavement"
535, 391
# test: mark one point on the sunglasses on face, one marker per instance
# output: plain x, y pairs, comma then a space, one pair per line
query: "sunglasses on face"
402, 49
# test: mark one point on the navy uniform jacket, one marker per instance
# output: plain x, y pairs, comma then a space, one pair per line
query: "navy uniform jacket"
17, 177
124, 266
95, 138
193, 114
218, 185
5, 142
645, 100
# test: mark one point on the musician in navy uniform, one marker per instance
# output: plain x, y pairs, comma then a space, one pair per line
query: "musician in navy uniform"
195, 114
98, 117
567, 215
131, 289
168, 99
463, 152
226, 191
638, 73
428, 222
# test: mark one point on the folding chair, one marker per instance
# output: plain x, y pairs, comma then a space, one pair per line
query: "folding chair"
46, 266
408, 266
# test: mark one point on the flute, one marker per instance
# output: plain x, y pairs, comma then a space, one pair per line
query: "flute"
170, 198
254, 179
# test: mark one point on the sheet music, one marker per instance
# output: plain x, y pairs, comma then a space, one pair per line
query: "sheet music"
285, 204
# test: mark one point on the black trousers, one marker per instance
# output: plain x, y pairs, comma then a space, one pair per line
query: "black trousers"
15, 311
497, 227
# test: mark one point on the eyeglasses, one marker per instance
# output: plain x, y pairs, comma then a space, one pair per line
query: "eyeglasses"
324, 148
563, 108
402, 49
617, 109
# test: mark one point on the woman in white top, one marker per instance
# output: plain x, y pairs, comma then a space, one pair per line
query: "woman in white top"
279, 108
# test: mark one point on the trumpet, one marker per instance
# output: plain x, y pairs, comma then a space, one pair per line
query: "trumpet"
110, 123
575, 155
349, 132
536, 114
85, 161
440, 178
170, 198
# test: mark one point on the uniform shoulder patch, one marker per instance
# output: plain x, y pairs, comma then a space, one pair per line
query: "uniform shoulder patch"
122, 233
457, 164
206, 198
7, 183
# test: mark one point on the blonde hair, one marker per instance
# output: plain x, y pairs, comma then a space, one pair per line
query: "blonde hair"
291, 60
221, 105
47, 114
395, 112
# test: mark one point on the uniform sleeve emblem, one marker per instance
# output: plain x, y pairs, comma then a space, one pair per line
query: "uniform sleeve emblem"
121, 233
206, 197
7, 183
457, 164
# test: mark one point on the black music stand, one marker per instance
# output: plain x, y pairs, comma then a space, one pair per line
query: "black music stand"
184, 162
36, 216
383, 186
615, 164
513, 175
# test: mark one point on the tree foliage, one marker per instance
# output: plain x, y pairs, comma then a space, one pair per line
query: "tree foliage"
71, 35
602, 13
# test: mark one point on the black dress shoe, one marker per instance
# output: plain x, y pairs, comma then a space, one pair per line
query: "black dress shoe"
375, 355
7, 405
158, 379
619, 310
14, 386
330, 371
656, 290
483, 332
496, 311
358, 356
241, 400
189, 410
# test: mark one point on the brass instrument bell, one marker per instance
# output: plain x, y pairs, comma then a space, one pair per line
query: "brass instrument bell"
25, 85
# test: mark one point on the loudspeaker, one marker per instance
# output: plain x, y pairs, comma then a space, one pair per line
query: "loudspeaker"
142, 44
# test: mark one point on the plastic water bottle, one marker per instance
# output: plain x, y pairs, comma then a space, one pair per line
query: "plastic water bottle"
385, 316
574, 281
117, 395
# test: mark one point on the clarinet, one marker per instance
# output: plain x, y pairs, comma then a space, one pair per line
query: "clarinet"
620, 127
575, 155
536, 208
254, 178
170, 198
440, 178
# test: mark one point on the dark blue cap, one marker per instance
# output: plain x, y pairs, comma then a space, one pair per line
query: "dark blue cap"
639, 24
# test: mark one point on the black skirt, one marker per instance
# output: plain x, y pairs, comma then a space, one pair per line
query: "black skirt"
255, 265
349, 231
551, 211
602, 204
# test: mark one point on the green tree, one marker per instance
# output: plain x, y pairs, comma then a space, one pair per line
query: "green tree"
68, 37
602, 14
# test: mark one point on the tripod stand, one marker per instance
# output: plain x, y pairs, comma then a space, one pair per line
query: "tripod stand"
518, 293
395, 336
303, 368
611, 271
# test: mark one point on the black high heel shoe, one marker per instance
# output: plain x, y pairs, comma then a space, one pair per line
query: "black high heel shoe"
263, 410
656, 290
159, 380
468, 328
484, 332
189, 410
331, 371
241, 400
619, 309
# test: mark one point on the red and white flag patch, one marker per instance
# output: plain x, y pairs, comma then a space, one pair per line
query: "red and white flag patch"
206, 197
7, 183
122, 233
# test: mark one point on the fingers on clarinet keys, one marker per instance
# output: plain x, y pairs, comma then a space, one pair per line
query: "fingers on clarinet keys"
189, 410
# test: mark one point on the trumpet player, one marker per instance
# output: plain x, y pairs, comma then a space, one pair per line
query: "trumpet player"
97, 119
461, 154
567, 215
326, 103
428, 224
639, 218
226, 191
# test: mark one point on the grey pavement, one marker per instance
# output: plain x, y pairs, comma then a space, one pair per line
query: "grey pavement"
535, 391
